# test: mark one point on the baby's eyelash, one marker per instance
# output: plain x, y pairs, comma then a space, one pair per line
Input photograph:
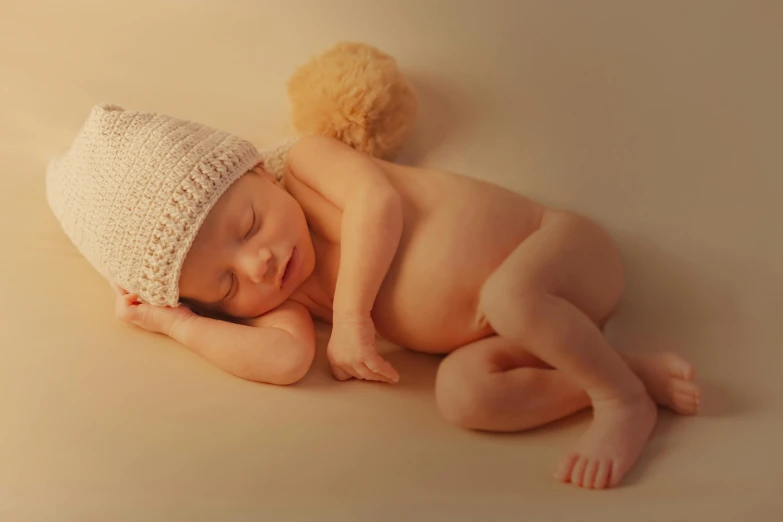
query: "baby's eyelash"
230, 288
252, 225
247, 235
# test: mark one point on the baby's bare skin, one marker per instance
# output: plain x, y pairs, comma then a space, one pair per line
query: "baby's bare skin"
456, 232
511, 290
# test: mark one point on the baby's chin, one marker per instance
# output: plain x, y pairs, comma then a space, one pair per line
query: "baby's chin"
257, 310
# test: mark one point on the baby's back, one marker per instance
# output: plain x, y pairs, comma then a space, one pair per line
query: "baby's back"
457, 230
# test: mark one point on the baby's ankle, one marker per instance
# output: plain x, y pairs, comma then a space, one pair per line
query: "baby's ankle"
621, 397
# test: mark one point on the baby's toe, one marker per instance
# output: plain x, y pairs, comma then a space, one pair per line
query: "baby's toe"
590, 471
566, 466
686, 397
602, 474
615, 474
679, 367
579, 469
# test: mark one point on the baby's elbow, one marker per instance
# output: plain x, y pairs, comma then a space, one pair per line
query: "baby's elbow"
289, 369
298, 367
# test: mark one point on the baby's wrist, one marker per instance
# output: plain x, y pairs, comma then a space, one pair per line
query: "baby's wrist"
178, 330
350, 315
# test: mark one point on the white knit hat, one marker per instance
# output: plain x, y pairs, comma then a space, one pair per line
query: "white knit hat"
134, 188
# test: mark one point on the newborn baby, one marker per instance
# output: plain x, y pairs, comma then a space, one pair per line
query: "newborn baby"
514, 292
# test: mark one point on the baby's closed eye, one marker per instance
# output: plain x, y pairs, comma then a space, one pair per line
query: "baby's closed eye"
252, 226
250, 229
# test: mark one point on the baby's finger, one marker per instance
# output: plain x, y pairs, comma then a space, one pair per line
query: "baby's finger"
381, 366
125, 307
365, 373
127, 313
350, 370
375, 376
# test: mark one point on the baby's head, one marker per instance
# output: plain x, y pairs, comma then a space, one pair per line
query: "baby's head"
175, 211
252, 251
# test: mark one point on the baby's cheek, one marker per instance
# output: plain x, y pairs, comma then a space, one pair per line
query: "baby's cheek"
253, 303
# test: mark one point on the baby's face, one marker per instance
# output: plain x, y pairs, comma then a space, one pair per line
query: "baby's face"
253, 250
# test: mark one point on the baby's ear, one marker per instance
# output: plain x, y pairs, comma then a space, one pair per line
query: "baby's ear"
259, 170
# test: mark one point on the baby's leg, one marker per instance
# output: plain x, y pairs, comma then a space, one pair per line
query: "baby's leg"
493, 385
548, 297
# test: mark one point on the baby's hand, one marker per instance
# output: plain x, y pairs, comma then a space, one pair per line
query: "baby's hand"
351, 352
157, 319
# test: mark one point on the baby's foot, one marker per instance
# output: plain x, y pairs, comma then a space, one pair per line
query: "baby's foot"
611, 444
669, 381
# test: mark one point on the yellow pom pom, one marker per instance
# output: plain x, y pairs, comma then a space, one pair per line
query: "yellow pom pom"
356, 94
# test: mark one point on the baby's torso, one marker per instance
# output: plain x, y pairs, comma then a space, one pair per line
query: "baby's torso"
457, 230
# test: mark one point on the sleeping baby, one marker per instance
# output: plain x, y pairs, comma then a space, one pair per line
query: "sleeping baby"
234, 252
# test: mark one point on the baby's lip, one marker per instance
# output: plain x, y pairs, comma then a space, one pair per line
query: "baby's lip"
282, 270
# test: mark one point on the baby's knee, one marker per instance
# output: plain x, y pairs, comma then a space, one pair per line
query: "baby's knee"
464, 393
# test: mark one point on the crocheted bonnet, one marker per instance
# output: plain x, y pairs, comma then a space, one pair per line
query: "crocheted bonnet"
134, 188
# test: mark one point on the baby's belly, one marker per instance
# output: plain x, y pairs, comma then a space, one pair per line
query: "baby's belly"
457, 231
429, 298
436, 320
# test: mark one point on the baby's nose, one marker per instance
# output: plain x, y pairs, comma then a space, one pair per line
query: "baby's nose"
257, 264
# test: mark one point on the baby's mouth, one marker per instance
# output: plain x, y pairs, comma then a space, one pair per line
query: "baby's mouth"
283, 276
288, 267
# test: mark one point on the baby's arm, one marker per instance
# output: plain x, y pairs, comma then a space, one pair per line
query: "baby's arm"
276, 348
369, 235
371, 219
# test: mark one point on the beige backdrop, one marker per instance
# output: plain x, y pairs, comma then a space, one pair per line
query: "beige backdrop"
662, 120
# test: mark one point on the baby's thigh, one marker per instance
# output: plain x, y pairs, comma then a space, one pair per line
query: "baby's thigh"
569, 256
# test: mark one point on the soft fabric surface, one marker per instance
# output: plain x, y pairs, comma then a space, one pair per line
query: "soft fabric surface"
661, 120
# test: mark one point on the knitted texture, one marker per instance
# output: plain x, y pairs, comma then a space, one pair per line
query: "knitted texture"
134, 188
